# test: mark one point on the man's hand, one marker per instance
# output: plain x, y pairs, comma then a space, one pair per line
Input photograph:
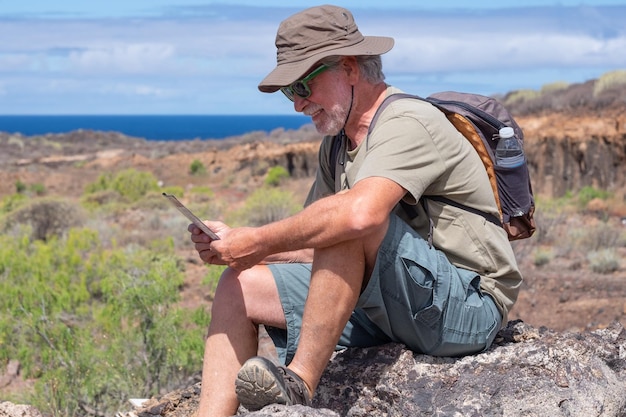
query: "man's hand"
203, 242
236, 248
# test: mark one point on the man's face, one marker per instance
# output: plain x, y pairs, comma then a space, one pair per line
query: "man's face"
329, 102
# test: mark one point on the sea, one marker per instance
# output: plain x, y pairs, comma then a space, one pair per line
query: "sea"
154, 127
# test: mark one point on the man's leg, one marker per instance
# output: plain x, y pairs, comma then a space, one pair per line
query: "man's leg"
242, 301
337, 278
336, 281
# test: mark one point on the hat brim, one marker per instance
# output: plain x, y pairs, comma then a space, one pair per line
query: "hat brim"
285, 74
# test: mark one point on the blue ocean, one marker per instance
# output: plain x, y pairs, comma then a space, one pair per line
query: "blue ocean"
154, 127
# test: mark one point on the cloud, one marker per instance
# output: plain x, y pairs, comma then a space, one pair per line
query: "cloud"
209, 58
130, 58
429, 54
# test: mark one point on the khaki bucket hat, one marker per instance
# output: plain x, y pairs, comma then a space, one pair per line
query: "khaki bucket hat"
312, 34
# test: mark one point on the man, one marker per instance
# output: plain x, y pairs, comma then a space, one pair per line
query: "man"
354, 268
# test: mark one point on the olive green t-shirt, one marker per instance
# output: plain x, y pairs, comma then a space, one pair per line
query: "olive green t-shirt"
414, 145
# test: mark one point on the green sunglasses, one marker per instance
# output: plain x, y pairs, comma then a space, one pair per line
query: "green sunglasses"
300, 88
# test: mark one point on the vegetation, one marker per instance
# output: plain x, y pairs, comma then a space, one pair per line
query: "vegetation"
609, 81
609, 91
91, 312
276, 175
197, 168
44, 218
95, 325
129, 184
598, 240
266, 205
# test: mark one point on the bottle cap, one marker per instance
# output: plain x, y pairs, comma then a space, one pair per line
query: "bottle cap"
506, 132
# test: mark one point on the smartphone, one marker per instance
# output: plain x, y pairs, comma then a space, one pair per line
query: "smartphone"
192, 217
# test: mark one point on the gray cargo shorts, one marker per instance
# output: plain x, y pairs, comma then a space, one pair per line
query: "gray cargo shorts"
415, 296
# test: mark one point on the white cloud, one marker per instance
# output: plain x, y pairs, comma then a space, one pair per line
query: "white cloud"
428, 54
212, 60
130, 58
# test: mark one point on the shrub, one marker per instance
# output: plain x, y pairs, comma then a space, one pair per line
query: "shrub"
588, 193
266, 205
555, 86
197, 168
95, 326
542, 256
20, 187
521, 96
275, 175
130, 184
46, 218
12, 202
593, 238
38, 189
604, 261
133, 184
609, 81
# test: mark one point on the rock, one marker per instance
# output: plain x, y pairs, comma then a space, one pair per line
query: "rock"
527, 372
8, 409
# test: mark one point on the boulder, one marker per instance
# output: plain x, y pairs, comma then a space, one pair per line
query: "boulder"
526, 372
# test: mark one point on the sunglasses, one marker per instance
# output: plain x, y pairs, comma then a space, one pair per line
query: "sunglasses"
300, 87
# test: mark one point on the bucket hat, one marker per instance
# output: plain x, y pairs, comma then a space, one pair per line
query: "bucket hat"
315, 33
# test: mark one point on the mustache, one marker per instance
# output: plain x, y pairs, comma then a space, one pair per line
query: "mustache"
309, 111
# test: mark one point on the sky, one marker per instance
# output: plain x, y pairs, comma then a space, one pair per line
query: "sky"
72, 57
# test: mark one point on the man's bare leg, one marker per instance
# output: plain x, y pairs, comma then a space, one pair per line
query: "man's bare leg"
233, 334
339, 274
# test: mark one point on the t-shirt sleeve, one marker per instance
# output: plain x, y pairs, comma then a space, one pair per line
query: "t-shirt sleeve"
401, 149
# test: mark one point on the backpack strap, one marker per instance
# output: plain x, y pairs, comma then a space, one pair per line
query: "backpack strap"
409, 209
435, 102
337, 143
489, 217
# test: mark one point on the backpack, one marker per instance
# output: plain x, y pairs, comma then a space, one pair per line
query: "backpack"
478, 119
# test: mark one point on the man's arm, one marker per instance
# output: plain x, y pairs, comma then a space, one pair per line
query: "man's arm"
352, 214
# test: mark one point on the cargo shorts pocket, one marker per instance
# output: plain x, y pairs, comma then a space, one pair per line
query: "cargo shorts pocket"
471, 320
419, 286
424, 303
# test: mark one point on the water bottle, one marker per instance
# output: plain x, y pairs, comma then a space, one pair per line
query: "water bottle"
509, 152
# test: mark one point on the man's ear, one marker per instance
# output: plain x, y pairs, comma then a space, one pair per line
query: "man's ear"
351, 67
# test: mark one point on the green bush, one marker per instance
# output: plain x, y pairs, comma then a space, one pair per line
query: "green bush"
12, 202
197, 168
38, 189
275, 175
95, 326
266, 205
130, 184
133, 184
20, 187
588, 193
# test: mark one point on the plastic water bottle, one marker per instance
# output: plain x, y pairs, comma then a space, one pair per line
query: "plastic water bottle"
509, 152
